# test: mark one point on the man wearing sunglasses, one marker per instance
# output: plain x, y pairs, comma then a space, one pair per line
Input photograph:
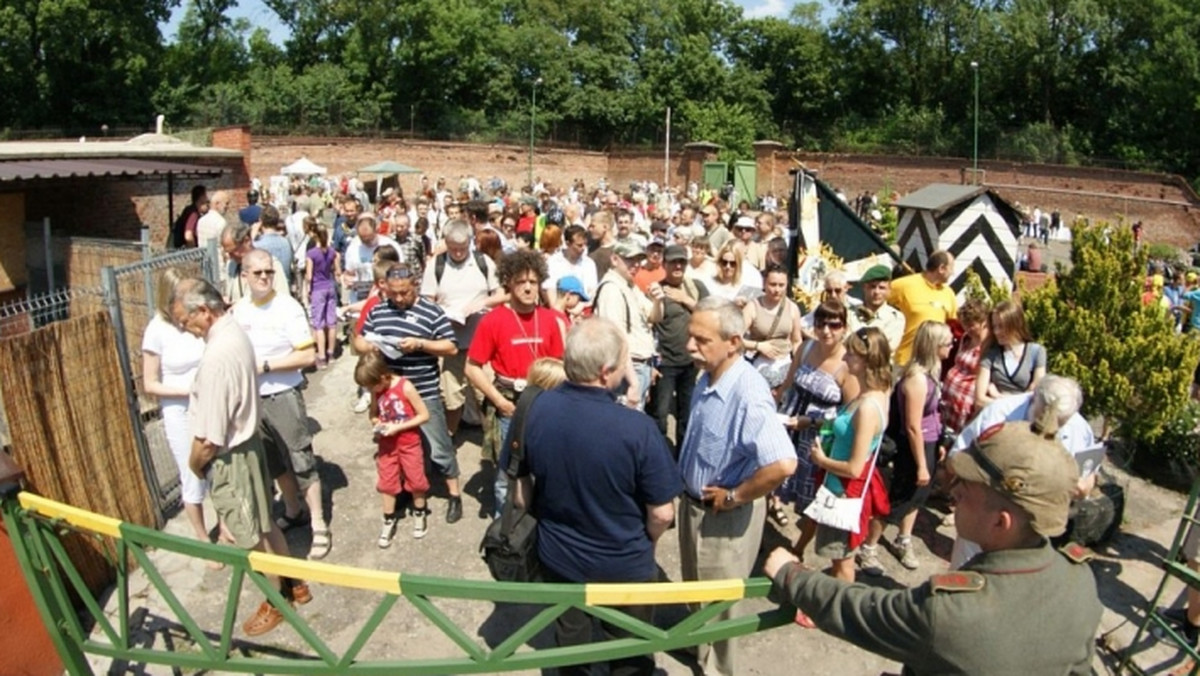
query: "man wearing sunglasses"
236, 242
1020, 607
277, 326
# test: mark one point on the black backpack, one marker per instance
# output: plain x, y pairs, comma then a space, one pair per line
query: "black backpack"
439, 266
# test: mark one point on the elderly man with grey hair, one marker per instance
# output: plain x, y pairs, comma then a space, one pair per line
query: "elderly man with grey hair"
463, 283
602, 506
1054, 403
224, 409
734, 453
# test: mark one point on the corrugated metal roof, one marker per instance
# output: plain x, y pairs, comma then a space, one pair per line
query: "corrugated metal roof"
26, 170
939, 196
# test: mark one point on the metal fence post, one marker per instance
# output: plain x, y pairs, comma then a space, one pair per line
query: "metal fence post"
49, 254
112, 299
212, 262
147, 276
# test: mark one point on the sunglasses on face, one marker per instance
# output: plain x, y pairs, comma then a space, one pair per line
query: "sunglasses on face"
832, 326
728, 263
261, 273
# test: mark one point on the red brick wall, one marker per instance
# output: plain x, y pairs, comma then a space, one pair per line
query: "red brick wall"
451, 160
117, 209
1165, 203
627, 166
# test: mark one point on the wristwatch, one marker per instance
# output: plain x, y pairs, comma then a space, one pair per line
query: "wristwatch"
266, 366
731, 496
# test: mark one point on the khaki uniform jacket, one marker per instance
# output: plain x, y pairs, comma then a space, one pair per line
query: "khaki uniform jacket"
1018, 612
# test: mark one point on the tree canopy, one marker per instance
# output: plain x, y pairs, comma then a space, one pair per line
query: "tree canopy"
1059, 80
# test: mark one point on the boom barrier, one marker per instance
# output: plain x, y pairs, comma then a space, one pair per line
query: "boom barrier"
34, 524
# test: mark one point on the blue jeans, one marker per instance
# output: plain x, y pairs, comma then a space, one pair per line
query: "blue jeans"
500, 485
437, 437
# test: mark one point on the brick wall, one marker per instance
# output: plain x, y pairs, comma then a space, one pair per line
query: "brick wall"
1165, 203
451, 160
117, 209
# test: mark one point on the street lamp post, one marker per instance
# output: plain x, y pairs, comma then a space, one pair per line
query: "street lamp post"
532, 124
975, 154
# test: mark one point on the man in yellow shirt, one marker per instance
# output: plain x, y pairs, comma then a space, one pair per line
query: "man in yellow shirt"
924, 297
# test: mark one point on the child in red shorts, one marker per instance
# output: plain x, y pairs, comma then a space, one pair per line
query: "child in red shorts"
397, 412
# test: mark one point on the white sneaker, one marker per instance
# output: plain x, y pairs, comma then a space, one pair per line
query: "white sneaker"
868, 560
420, 522
363, 403
908, 557
387, 533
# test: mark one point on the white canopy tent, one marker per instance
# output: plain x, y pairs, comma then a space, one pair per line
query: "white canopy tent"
303, 167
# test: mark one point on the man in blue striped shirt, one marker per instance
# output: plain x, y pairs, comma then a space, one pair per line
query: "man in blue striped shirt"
734, 453
412, 333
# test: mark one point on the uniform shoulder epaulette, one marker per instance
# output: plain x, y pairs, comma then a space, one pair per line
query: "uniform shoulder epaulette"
1076, 553
958, 581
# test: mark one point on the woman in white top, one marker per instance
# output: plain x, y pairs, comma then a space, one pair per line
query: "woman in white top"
733, 275
170, 357
700, 265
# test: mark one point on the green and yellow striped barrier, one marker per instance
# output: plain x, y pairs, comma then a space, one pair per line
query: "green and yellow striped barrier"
32, 521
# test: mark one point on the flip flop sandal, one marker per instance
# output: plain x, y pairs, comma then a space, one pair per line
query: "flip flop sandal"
286, 522
322, 542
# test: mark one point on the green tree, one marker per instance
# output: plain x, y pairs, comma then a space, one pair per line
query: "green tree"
79, 63
1134, 370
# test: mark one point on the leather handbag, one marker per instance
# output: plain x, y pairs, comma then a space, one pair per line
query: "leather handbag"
509, 546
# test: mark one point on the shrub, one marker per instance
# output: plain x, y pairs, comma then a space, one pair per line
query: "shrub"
1133, 368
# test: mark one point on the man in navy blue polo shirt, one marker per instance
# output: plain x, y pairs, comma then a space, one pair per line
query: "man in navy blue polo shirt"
603, 484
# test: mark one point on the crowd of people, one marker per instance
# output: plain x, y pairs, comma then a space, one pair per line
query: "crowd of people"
694, 391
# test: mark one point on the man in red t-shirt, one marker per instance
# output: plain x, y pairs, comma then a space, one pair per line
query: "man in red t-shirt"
511, 337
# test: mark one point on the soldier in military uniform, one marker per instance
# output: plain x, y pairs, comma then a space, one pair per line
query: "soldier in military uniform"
1020, 607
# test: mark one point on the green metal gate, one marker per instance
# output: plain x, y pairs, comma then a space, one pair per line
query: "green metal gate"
35, 524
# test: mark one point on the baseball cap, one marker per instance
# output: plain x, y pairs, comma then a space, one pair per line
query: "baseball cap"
1192, 276
876, 273
630, 249
656, 241
571, 284
675, 252
744, 222
1036, 473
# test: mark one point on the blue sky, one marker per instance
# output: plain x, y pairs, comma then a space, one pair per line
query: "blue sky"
259, 15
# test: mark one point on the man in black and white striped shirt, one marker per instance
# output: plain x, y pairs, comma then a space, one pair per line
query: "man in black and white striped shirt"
412, 333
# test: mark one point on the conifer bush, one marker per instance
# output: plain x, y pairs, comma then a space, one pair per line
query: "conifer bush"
1135, 371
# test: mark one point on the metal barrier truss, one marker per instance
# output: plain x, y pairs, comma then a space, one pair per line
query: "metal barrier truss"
34, 524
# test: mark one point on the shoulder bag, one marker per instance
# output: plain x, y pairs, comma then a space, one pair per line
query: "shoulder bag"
509, 546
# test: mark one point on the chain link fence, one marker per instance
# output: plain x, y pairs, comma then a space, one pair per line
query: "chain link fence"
129, 292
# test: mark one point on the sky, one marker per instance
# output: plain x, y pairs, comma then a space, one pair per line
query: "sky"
259, 15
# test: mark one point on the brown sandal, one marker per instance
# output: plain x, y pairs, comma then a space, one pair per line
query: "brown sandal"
266, 619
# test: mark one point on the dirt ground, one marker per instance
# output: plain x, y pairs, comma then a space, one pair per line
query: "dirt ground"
1127, 571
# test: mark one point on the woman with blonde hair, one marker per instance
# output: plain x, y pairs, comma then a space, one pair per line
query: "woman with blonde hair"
170, 357
733, 275
849, 465
916, 425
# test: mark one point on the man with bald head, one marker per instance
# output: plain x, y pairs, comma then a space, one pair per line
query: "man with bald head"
236, 241
283, 346
211, 224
